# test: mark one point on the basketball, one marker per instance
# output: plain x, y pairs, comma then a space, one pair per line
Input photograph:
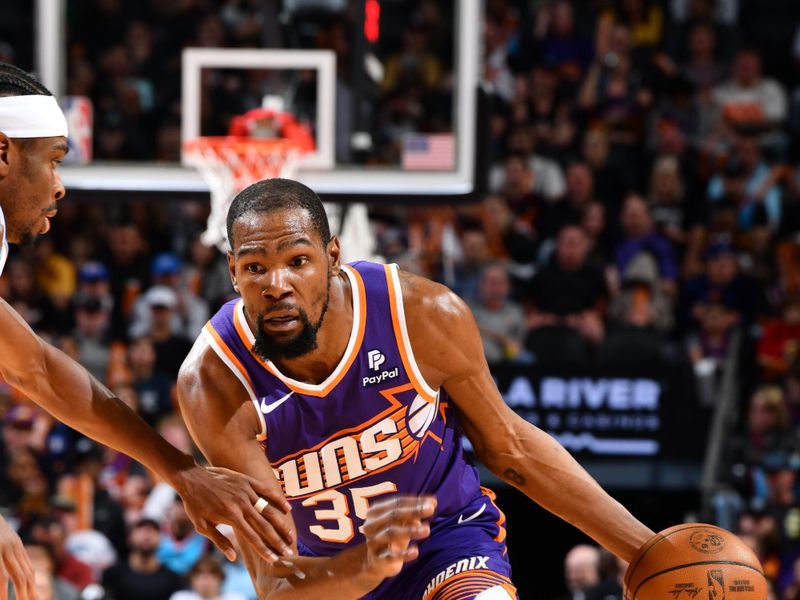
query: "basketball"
695, 560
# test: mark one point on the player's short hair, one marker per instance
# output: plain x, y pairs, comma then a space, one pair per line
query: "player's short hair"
16, 82
278, 194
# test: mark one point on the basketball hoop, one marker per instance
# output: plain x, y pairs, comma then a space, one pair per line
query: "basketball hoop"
228, 164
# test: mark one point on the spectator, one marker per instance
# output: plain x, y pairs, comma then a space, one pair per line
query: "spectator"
666, 200
610, 182
581, 571
180, 546
496, 45
640, 237
748, 99
593, 222
153, 388
24, 482
546, 179
414, 63
170, 345
786, 284
612, 574
55, 275
50, 532
640, 314
723, 282
560, 43
206, 273
567, 298
94, 506
507, 236
49, 586
767, 442
749, 187
645, 19
709, 346
142, 575
517, 187
500, 320
190, 312
205, 580
129, 275
702, 67
92, 333
569, 209
23, 295
614, 92
467, 269
93, 280
779, 346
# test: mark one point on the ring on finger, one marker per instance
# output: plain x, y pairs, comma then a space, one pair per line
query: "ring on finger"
260, 505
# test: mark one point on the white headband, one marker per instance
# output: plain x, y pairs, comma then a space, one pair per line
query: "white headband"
31, 117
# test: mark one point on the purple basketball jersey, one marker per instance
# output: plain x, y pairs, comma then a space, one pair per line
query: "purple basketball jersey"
373, 428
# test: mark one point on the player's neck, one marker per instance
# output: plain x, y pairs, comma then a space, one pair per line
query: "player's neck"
332, 338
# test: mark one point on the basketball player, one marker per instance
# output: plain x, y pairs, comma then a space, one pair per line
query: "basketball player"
347, 385
32, 142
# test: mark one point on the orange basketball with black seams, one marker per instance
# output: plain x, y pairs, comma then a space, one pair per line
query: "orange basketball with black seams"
695, 560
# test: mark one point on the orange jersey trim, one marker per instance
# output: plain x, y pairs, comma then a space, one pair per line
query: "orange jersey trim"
468, 584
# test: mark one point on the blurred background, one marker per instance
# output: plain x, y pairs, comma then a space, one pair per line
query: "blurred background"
629, 243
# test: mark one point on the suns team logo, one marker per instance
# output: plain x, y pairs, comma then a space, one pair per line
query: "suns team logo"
420, 415
385, 441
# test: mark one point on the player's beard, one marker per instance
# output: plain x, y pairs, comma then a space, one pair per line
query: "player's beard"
270, 348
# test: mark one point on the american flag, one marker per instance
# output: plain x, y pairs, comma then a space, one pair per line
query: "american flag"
429, 152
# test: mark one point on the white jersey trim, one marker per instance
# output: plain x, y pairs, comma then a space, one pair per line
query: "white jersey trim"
240, 376
495, 593
301, 386
405, 340
4, 247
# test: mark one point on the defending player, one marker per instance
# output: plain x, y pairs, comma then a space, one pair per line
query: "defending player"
32, 142
353, 382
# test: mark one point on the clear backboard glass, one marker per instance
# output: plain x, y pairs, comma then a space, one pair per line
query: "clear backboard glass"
396, 117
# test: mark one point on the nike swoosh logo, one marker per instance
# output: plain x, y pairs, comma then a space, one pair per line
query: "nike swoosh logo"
474, 515
268, 408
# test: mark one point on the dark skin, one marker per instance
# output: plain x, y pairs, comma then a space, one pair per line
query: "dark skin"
30, 189
286, 261
30, 186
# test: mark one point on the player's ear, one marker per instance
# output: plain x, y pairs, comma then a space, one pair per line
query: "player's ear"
232, 271
5, 159
334, 254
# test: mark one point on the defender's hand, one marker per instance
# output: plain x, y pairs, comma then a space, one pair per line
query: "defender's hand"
14, 565
391, 527
214, 495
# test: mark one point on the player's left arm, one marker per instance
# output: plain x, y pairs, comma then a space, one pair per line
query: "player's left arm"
447, 345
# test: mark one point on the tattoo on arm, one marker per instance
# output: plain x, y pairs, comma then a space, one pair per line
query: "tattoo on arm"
513, 476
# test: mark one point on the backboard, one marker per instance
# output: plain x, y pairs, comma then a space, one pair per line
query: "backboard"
388, 87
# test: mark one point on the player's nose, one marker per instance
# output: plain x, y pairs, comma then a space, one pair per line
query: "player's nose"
58, 189
276, 284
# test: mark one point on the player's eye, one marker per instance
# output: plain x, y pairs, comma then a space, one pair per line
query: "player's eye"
253, 268
298, 261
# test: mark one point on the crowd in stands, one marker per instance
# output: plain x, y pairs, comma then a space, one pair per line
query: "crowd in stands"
644, 209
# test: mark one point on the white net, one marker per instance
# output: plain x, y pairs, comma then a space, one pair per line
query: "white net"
228, 165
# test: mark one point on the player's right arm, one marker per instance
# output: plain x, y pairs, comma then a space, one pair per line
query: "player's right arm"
224, 424
67, 391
